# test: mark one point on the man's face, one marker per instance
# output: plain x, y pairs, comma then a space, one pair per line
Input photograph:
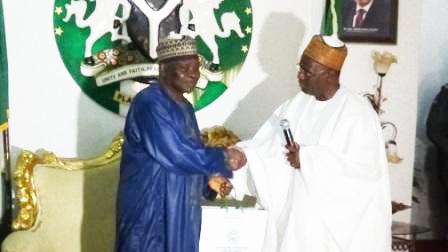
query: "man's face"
183, 74
311, 76
363, 2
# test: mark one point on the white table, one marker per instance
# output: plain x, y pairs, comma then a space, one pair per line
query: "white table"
232, 230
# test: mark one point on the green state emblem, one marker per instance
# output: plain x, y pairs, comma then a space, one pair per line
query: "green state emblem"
108, 46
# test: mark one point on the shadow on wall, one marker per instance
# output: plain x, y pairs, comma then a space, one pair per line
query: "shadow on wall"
96, 127
280, 40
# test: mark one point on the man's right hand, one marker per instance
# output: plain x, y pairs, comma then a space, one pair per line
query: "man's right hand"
293, 155
235, 158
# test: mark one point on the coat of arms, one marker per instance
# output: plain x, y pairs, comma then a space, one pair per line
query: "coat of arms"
108, 46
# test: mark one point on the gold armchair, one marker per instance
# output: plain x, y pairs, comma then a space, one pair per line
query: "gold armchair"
65, 204
68, 205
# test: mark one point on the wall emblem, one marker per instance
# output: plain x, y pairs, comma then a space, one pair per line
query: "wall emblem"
108, 46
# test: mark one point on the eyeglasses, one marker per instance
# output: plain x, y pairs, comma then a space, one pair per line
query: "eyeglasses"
308, 74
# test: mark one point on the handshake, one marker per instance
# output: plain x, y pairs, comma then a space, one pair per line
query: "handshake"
235, 159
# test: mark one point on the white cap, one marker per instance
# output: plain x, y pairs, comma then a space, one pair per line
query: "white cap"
333, 41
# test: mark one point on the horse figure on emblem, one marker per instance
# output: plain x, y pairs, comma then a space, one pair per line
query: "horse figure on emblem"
103, 19
205, 23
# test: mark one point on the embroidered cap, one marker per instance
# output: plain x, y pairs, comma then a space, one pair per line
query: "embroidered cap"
325, 54
176, 46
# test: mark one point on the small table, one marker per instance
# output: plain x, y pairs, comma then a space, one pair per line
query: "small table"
403, 229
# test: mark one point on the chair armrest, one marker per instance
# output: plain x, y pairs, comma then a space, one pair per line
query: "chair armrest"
24, 241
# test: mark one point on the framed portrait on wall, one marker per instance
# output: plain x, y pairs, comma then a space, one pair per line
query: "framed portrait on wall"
368, 20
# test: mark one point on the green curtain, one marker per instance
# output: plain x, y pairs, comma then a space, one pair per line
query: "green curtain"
3, 74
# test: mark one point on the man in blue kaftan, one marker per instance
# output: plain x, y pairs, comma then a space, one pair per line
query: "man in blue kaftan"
165, 166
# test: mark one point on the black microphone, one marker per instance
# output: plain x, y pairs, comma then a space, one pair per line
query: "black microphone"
284, 123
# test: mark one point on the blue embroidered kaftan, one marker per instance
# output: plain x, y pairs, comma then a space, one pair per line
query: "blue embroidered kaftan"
164, 173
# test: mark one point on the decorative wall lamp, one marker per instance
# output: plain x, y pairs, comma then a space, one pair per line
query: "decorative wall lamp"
382, 63
391, 144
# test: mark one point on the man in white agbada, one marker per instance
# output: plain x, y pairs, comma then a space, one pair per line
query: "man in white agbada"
329, 192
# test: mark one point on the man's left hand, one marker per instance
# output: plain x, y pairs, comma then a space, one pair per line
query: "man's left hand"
220, 185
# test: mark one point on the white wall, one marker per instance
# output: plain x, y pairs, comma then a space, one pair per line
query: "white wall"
47, 109
400, 87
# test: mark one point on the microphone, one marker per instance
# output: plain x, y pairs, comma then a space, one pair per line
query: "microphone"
284, 123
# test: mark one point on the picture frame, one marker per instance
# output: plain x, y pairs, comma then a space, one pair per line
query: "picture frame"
376, 22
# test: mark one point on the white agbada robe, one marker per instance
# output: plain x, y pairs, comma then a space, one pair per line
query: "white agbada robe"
339, 200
